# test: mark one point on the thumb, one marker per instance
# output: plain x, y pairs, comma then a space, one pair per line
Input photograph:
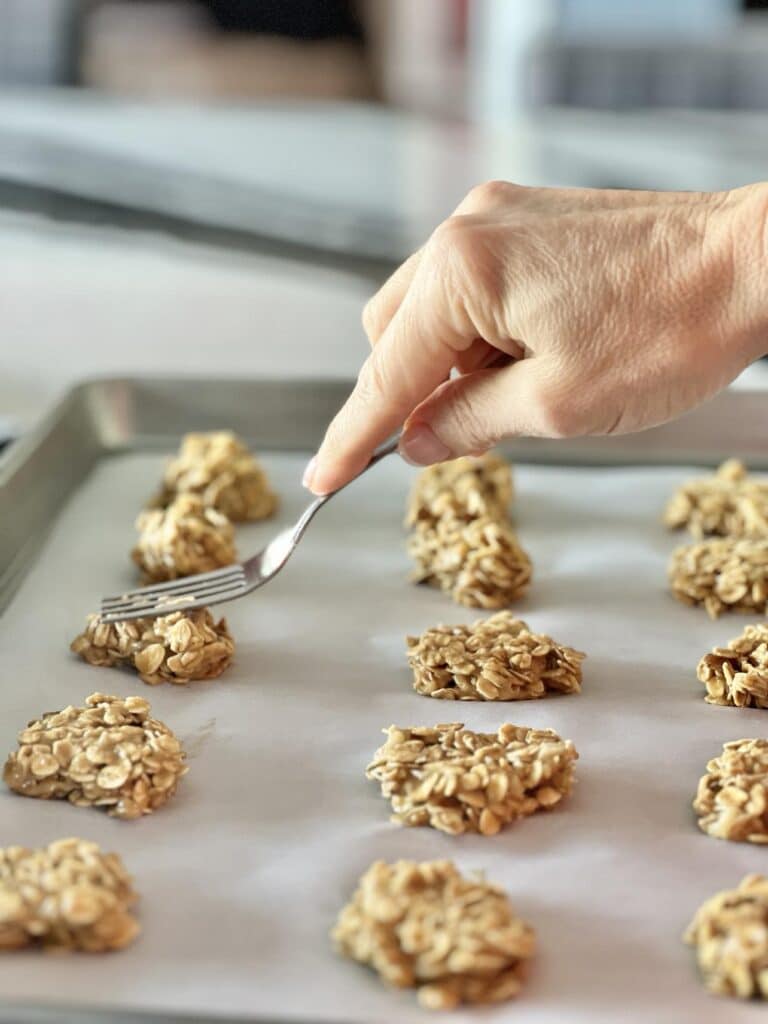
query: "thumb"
470, 414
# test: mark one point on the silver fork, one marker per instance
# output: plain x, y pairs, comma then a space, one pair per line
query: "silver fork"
232, 581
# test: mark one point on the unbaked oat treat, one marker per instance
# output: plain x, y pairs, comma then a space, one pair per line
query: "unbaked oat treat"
732, 798
498, 658
425, 926
469, 486
729, 503
479, 562
456, 780
66, 896
175, 648
461, 539
108, 754
183, 539
730, 933
722, 575
219, 468
737, 675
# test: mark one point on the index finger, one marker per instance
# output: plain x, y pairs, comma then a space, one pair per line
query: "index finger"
381, 307
413, 357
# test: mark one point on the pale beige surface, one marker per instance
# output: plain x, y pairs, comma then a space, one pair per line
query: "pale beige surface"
245, 870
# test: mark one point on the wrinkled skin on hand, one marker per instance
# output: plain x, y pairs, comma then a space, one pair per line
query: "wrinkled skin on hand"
567, 312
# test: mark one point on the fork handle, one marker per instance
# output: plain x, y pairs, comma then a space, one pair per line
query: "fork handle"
309, 512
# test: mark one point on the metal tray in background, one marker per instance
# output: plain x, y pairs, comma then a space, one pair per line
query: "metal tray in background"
320, 660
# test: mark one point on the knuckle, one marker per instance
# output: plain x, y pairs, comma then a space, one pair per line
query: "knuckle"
451, 228
490, 193
453, 236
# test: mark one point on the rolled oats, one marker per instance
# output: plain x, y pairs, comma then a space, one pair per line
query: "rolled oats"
730, 933
479, 562
722, 575
732, 798
109, 754
219, 468
738, 674
477, 486
68, 895
424, 926
461, 539
183, 539
497, 658
175, 648
456, 780
727, 504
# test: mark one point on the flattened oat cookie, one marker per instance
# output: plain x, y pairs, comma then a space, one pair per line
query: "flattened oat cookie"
457, 780
498, 658
722, 575
108, 754
737, 675
732, 798
175, 648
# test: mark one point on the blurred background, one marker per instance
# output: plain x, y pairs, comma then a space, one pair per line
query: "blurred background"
455, 57
215, 186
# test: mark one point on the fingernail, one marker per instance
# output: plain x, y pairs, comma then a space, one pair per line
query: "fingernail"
421, 447
309, 472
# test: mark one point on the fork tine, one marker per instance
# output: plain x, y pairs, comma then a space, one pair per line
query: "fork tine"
191, 593
183, 583
157, 608
139, 597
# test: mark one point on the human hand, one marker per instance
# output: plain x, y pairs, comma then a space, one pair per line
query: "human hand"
566, 311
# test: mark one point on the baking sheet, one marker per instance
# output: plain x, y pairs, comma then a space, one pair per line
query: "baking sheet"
242, 874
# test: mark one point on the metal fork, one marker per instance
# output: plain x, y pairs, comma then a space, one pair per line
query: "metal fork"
232, 581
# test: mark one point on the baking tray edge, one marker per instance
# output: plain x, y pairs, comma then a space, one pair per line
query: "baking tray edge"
99, 417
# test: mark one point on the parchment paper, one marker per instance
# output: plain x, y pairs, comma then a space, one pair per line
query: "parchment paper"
242, 874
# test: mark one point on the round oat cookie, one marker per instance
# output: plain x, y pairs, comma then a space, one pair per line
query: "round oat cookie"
730, 934
732, 798
457, 780
176, 648
109, 753
68, 895
498, 658
425, 926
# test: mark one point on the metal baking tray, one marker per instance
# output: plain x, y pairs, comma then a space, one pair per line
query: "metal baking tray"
243, 872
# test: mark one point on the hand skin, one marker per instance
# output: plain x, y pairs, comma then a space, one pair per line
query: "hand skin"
566, 311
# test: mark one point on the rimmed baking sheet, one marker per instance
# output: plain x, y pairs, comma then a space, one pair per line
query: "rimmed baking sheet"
241, 875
